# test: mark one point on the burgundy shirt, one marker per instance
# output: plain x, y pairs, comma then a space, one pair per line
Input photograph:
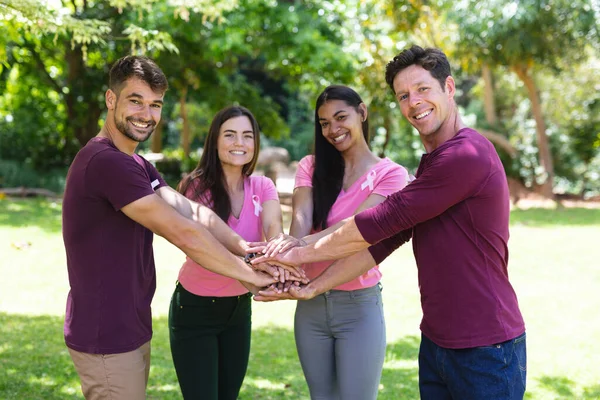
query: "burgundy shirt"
458, 211
109, 256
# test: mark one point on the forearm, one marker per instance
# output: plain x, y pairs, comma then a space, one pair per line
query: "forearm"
198, 244
205, 217
310, 239
300, 226
343, 242
343, 271
274, 228
176, 200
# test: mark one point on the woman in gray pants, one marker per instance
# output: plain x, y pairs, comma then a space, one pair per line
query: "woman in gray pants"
340, 334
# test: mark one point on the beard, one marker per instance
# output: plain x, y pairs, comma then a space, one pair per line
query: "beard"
128, 131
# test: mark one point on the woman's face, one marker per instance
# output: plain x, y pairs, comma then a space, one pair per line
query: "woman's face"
235, 144
341, 123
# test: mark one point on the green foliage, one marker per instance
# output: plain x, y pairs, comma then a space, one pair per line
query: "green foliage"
274, 57
15, 174
31, 124
526, 32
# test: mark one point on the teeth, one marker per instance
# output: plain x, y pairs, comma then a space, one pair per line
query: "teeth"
423, 115
340, 138
140, 125
239, 153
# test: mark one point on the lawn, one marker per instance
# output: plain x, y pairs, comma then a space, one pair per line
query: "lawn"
554, 266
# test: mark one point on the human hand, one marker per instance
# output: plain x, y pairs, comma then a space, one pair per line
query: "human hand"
288, 260
302, 292
262, 279
294, 291
277, 291
278, 244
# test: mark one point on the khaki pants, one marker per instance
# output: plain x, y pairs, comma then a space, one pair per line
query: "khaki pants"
121, 376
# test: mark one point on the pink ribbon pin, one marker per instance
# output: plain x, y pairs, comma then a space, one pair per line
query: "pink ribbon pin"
370, 181
257, 207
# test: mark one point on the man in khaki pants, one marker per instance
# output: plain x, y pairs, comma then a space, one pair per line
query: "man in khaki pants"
113, 203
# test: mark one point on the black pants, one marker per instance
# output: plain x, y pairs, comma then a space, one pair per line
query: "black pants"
210, 343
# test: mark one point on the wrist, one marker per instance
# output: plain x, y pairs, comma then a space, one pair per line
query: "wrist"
316, 288
243, 245
298, 254
248, 258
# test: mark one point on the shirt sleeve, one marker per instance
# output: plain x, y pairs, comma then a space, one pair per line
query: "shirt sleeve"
394, 178
380, 251
156, 179
450, 178
119, 178
268, 189
304, 173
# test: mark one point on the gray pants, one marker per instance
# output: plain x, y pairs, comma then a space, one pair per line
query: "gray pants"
340, 337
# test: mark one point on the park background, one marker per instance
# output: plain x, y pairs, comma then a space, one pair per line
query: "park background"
527, 77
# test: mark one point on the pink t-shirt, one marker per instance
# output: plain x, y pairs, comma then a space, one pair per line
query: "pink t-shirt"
384, 178
202, 282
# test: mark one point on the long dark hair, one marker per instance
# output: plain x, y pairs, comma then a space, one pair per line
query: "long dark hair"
209, 172
328, 175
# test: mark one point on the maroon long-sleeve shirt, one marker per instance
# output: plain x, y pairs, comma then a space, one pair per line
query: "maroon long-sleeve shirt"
457, 211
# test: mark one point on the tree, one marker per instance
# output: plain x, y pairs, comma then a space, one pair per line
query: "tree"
73, 47
527, 36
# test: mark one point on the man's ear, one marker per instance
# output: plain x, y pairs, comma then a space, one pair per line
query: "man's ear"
111, 99
450, 86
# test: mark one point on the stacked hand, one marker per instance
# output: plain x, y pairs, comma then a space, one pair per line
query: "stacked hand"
278, 254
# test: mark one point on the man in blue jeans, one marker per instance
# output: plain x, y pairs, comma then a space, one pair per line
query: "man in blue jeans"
456, 211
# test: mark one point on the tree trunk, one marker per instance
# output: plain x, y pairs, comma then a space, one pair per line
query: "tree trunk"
156, 141
545, 157
499, 140
185, 134
83, 109
489, 103
388, 134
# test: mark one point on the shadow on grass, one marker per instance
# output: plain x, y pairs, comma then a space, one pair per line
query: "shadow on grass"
34, 361
42, 213
565, 388
35, 364
400, 378
542, 217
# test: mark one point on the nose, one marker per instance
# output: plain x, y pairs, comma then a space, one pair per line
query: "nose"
146, 113
415, 99
335, 127
238, 139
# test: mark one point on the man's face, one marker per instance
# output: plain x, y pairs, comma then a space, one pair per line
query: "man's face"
423, 102
136, 109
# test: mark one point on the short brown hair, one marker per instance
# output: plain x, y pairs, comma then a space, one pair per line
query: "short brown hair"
139, 67
431, 59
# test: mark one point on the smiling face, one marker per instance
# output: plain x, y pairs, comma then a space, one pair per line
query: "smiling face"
424, 103
236, 142
341, 123
135, 110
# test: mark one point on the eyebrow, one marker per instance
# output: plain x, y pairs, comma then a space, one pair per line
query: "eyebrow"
233, 131
420, 83
139, 96
336, 113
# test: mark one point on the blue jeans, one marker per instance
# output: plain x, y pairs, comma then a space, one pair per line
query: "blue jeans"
490, 372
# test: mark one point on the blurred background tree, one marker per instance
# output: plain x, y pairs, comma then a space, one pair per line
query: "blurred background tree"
526, 72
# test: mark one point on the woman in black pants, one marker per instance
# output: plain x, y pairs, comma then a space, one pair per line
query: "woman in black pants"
210, 314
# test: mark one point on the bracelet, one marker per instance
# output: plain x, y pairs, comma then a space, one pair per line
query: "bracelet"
249, 258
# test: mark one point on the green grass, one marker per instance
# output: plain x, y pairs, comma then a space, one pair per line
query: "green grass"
553, 265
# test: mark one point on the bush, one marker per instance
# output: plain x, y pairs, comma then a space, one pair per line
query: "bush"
15, 174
